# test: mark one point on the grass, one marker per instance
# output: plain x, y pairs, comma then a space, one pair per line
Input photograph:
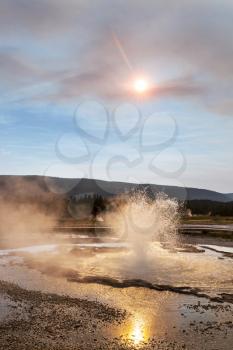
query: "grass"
210, 220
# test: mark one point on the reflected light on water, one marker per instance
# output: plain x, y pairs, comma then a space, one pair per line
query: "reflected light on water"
137, 332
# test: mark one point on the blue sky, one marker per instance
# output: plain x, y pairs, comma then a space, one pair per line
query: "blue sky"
67, 103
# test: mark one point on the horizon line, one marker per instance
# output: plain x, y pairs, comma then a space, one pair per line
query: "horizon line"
94, 179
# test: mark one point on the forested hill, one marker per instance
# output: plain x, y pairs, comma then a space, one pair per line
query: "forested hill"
40, 186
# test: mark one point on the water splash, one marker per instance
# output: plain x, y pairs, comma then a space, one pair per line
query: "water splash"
140, 221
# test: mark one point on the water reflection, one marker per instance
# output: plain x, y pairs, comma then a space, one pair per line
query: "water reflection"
137, 331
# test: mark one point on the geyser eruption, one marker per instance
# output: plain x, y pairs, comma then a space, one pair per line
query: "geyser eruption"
140, 220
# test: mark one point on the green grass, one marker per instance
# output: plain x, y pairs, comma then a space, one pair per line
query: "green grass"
210, 220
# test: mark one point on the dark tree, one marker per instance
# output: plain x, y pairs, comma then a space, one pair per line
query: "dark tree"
99, 205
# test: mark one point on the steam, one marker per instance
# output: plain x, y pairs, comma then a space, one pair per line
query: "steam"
28, 216
23, 224
27, 212
140, 221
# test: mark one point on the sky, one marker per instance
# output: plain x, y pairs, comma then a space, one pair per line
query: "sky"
68, 102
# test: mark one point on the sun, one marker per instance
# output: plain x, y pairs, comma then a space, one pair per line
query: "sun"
141, 85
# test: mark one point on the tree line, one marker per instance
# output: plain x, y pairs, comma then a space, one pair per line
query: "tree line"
207, 207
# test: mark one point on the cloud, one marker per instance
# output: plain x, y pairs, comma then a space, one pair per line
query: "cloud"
39, 19
180, 39
105, 86
15, 70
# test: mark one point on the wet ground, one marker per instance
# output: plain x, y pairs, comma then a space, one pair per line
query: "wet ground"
87, 293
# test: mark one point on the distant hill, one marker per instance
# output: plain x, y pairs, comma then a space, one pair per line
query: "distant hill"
230, 195
40, 187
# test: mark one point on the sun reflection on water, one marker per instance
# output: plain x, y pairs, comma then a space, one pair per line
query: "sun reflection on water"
137, 332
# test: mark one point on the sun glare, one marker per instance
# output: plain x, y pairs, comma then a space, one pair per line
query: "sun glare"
137, 332
141, 85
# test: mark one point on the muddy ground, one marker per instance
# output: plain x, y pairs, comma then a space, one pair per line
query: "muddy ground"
36, 320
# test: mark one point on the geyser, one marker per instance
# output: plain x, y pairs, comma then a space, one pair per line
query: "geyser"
140, 220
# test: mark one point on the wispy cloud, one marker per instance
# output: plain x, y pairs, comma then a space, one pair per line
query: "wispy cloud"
193, 38
55, 52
